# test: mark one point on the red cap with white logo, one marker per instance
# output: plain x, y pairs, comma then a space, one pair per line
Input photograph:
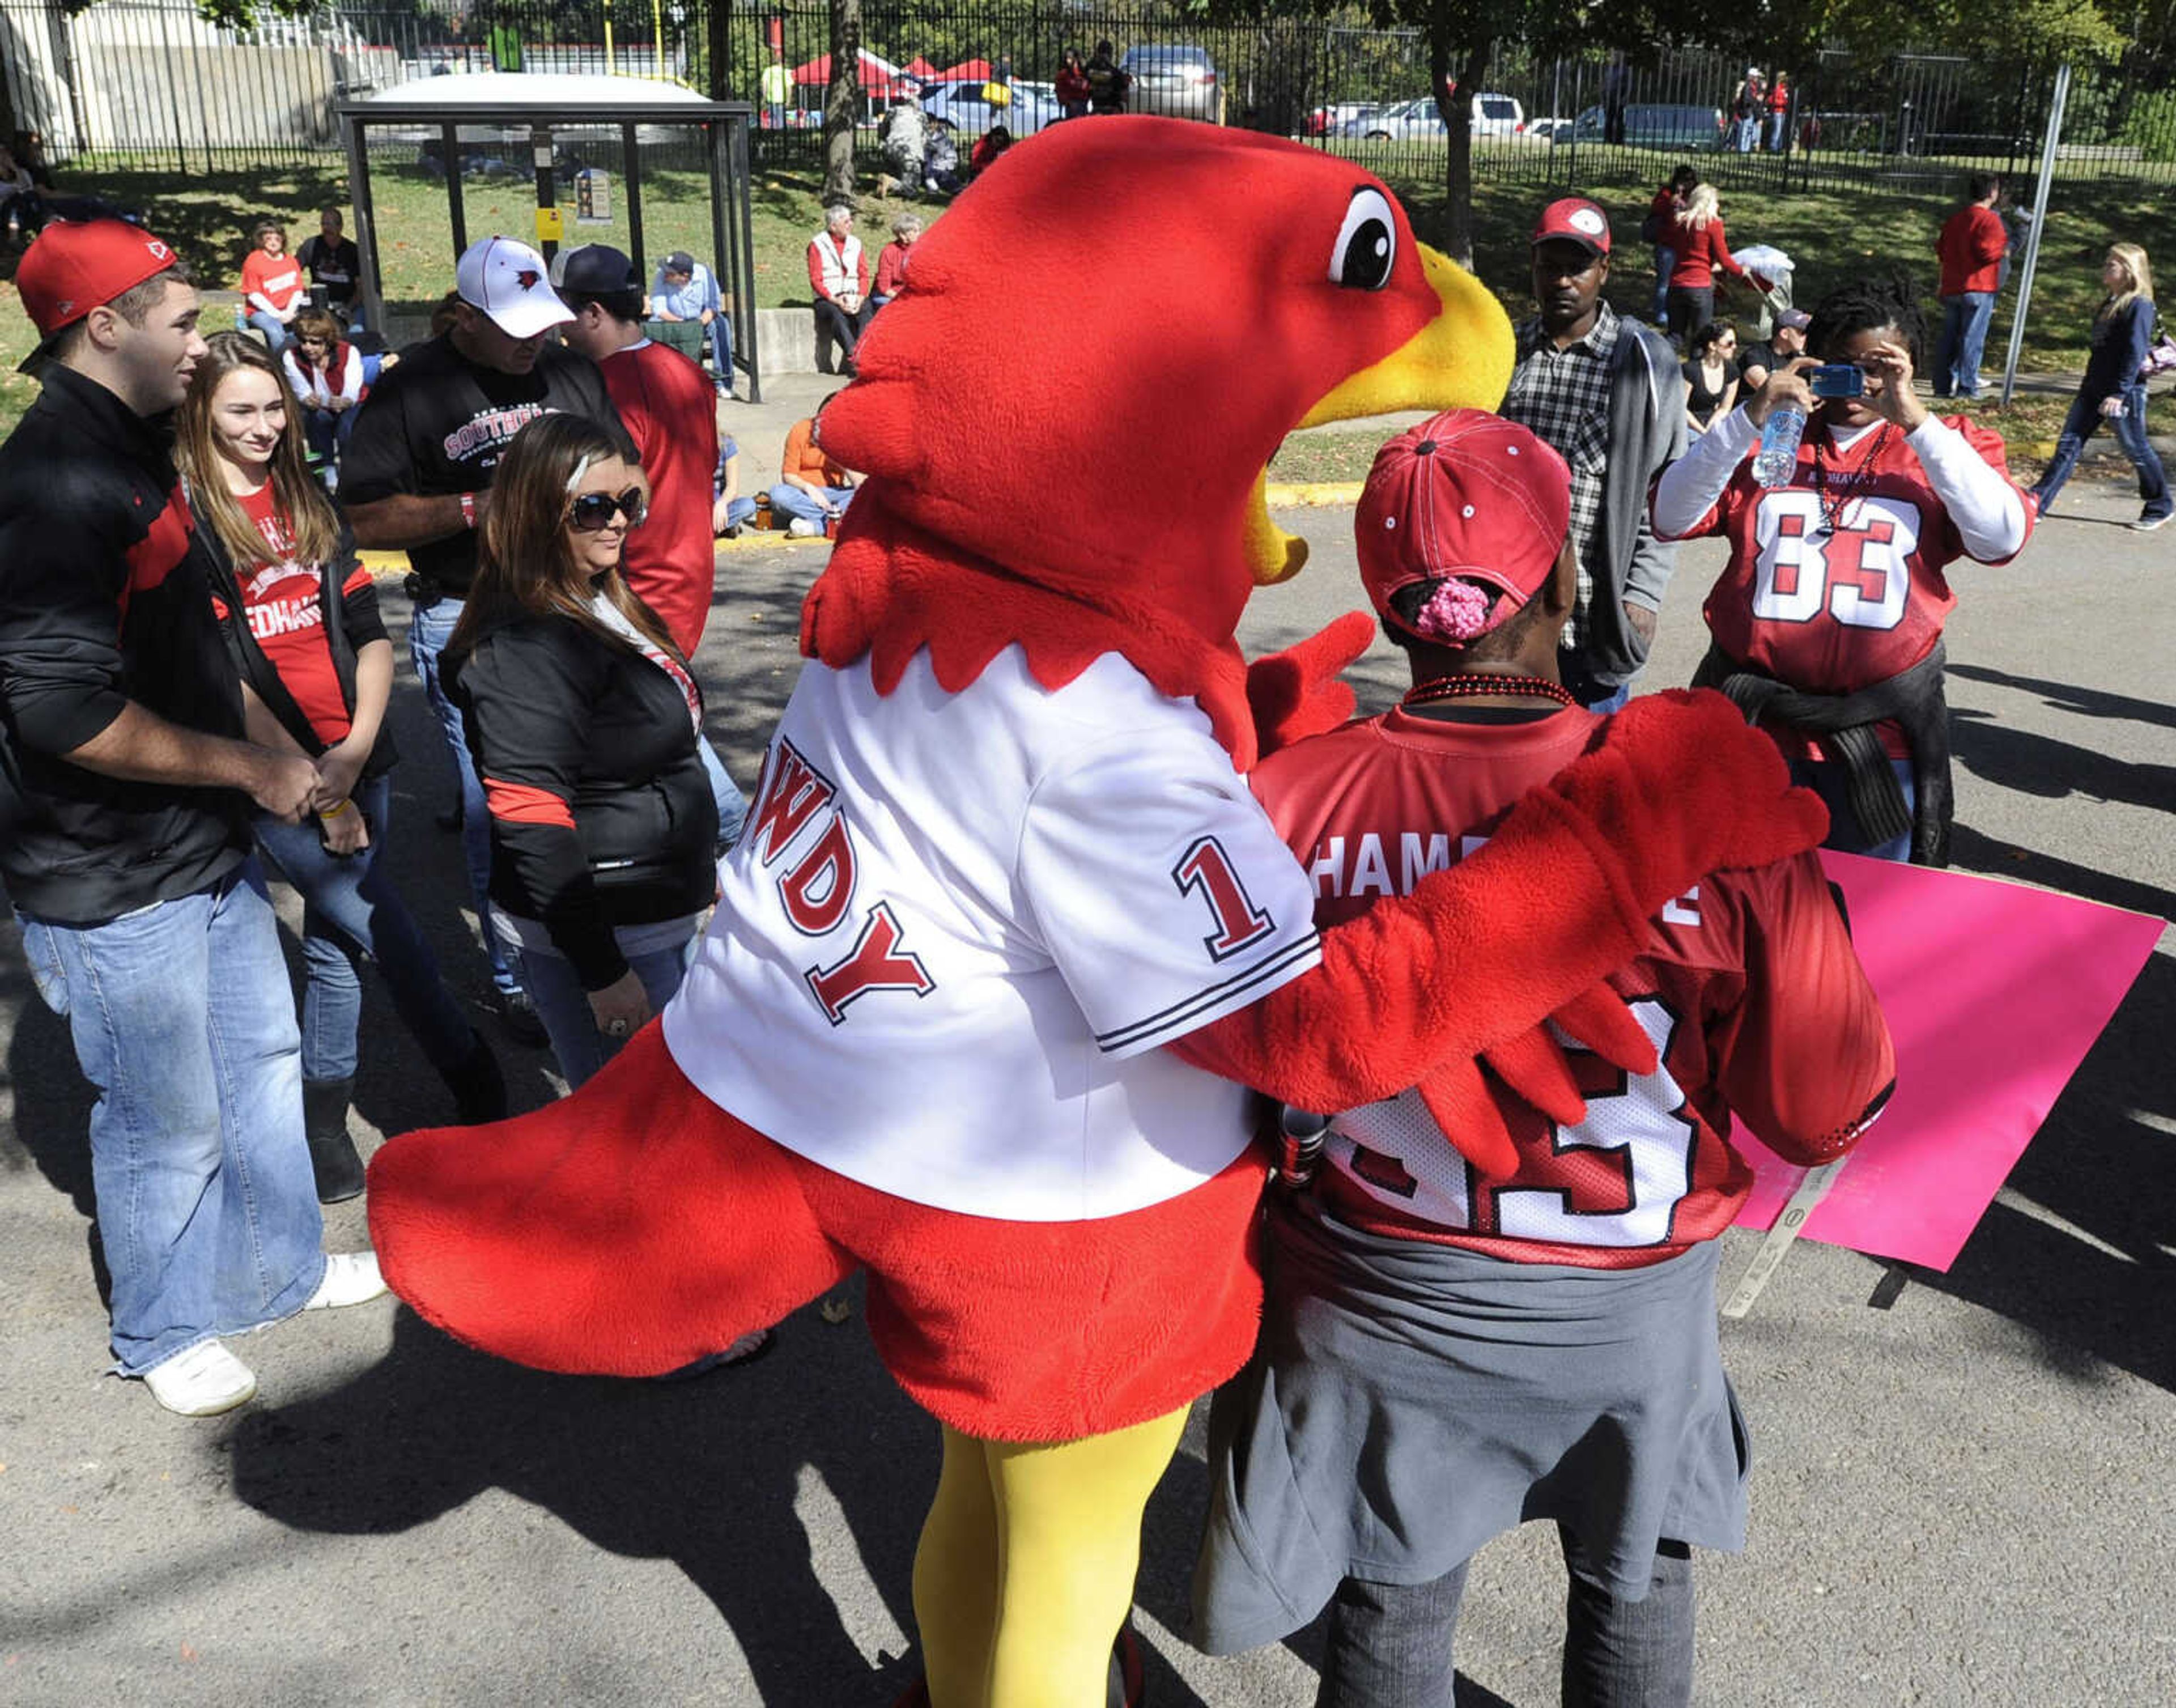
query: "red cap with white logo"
510, 282
1465, 497
74, 265
1576, 221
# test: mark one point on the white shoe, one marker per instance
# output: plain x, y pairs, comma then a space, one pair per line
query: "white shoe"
202, 1382
350, 1277
2147, 525
801, 528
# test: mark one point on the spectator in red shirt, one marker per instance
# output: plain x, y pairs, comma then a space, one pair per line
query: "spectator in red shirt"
1072, 87
272, 285
1659, 228
1779, 112
1699, 251
891, 259
1970, 248
988, 151
665, 402
839, 274
301, 620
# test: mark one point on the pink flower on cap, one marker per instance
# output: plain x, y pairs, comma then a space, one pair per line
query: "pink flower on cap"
1469, 499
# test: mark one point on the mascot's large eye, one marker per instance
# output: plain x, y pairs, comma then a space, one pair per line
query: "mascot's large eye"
1367, 243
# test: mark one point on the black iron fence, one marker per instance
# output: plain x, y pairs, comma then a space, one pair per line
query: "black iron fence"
150, 77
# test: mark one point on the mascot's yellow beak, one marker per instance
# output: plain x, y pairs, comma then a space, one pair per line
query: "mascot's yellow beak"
1461, 359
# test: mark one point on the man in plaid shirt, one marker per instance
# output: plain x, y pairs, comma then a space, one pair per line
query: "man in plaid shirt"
1608, 395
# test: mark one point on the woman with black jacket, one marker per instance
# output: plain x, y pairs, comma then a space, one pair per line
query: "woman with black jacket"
2114, 388
584, 721
301, 619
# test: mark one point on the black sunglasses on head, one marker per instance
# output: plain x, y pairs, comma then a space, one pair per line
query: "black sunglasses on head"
593, 512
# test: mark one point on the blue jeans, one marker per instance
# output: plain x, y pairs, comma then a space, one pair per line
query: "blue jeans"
428, 632
739, 511
350, 910
733, 805
793, 502
181, 1019
1666, 261
326, 432
1747, 135
1389, 1645
275, 330
1776, 122
2082, 423
1832, 784
1964, 338
563, 1005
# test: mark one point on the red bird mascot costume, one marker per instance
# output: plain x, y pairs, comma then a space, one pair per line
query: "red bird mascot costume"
1006, 936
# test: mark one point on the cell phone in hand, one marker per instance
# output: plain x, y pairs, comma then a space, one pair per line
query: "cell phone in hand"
1836, 379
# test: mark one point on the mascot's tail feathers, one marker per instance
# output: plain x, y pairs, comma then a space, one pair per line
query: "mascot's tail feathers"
627, 1231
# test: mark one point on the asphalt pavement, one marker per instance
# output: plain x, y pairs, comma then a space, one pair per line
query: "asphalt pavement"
1963, 1497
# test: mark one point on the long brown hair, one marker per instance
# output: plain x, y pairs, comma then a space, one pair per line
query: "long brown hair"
525, 565
310, 516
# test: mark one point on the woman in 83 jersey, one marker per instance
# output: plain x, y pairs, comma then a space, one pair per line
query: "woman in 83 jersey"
1827, 625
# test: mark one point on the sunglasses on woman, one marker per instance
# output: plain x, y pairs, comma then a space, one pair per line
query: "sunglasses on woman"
593, 512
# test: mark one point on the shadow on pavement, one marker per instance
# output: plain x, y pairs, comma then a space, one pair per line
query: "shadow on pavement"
2037, 764
704, 1473
2063, 696
2093, 1273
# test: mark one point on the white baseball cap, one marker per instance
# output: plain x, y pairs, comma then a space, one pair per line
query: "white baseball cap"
510, 282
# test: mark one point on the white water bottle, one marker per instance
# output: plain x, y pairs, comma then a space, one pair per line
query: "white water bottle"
1777, 458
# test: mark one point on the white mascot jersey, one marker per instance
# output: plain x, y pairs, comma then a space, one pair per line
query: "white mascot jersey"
957, 927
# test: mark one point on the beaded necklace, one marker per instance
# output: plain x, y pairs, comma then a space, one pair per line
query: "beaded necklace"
1468, 686
1849, 484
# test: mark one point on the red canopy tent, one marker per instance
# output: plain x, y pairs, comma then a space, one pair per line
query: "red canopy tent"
921, 70
966, 71
875, 78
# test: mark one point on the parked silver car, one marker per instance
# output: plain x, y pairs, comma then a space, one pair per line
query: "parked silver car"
1174, 80
1489, 115
962, 108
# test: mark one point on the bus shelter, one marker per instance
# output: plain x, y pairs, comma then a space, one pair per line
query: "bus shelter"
556, 159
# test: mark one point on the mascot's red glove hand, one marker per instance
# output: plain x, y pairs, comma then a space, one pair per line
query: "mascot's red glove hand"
1468, 964
1296, 693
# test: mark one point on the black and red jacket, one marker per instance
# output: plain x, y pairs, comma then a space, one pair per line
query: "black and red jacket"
601, 812
104, 598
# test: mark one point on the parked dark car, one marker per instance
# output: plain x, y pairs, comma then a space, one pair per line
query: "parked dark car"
1654, 125
1174, 80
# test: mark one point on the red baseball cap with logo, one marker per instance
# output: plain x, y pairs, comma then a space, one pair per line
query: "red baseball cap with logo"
1469, 497
1576, 221
74, 265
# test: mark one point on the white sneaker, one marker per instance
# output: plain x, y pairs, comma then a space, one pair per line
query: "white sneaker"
350, 1277
202, 1382
2147, 525
801, 528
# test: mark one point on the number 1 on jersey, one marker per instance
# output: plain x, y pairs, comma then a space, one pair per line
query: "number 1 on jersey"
1207, 869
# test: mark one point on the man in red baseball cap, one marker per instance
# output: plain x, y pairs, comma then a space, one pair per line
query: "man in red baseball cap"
125, 789
1608, 395
1555, 1354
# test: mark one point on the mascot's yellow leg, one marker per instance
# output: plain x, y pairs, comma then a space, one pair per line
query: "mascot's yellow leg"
955, 1578
1069, 1547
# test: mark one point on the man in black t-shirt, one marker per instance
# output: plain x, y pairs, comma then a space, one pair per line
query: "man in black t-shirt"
417, 474
1788, 342
335, 263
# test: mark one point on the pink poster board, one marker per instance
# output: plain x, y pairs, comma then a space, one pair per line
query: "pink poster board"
1994, 992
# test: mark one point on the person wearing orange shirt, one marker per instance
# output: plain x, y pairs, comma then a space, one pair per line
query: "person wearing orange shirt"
812, 489
272, 286
1970, 248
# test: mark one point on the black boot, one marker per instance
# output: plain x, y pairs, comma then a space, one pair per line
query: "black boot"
478, 1087
333, 1156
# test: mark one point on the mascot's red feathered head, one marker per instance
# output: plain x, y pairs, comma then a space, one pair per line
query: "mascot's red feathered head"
1066, 415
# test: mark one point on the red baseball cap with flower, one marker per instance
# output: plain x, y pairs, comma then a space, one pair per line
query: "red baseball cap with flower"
1465, 497
1576, 221
74, 265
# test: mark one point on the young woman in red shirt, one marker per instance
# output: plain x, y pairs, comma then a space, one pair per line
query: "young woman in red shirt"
1701, 251
300, 618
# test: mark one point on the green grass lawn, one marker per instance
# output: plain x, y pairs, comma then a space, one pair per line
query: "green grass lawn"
1833, 235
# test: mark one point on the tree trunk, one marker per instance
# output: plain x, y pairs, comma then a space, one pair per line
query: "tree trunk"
1453, 97
842, 101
